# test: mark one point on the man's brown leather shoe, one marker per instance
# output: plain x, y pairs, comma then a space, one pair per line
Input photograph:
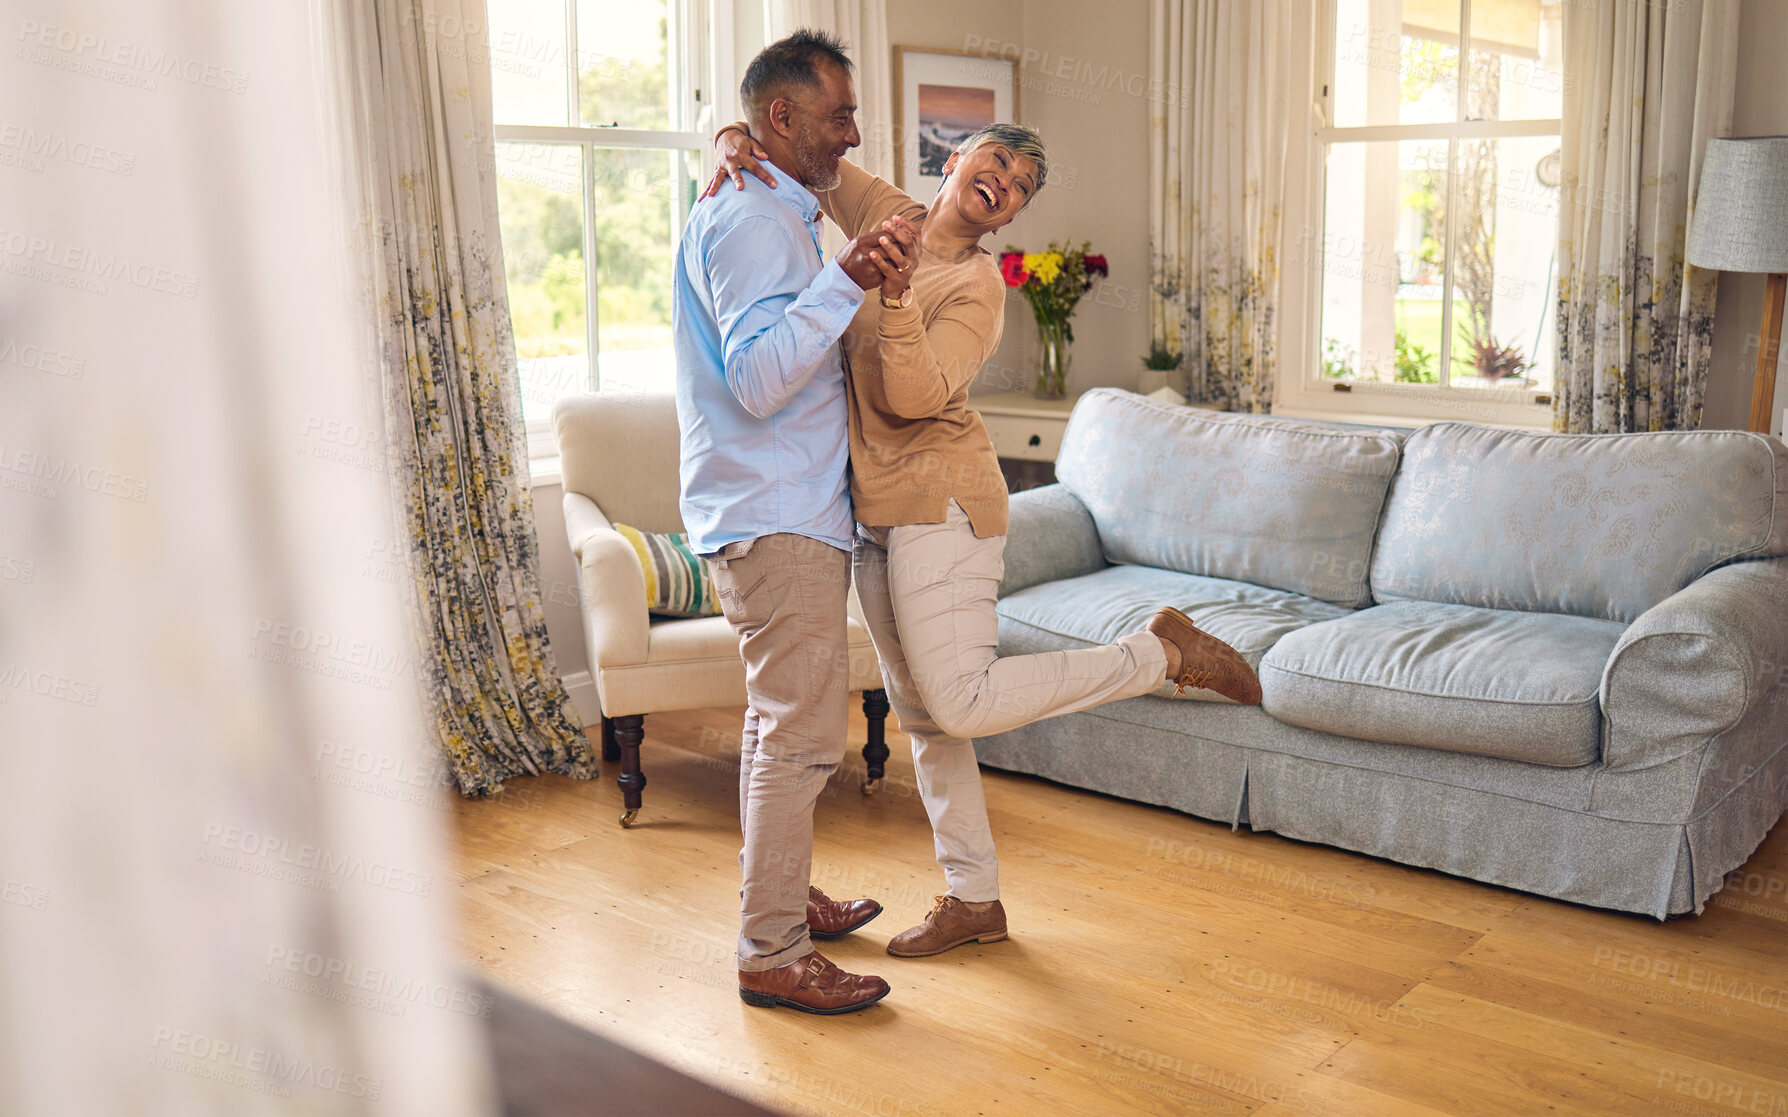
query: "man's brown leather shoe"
1206, 662
951, 923
828, 918
812, 985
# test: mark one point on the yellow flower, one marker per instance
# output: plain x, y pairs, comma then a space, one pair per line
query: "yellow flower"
1044, 265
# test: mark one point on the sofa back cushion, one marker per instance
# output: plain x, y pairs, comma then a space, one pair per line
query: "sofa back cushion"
1596, 525
1278, 503
620, 448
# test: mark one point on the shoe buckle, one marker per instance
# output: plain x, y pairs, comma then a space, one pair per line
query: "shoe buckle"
815, 969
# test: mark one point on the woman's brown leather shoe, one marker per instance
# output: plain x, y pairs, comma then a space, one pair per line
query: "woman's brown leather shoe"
1206, 662
950, 924
812, 985
828, 918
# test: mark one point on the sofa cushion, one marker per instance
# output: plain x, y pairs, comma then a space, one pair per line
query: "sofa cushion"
1520, 686
1286, 505
1098, 608
1600, 525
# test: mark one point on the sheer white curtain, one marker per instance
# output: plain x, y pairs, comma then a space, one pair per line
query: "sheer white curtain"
1218, 130
225, 889
1647, 86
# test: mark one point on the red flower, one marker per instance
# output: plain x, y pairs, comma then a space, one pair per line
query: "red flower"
1097, 264
1012, 268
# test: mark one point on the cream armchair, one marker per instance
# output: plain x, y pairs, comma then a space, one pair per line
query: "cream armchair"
618, 452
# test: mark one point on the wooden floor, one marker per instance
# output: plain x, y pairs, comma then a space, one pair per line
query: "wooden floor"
1158, 963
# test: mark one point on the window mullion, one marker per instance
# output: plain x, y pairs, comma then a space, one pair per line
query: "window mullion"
592, 322
573, 109
1461, 113
1462, 107
605, 137
1446, 275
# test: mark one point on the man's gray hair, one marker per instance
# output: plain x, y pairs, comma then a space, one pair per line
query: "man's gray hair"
1021, 139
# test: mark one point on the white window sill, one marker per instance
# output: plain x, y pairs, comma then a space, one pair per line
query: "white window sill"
545, 471
1542, 423
1409, 406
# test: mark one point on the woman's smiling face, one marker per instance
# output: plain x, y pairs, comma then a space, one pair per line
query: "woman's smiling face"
988, 186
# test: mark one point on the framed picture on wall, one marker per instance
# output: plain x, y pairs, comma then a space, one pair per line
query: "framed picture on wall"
940, 98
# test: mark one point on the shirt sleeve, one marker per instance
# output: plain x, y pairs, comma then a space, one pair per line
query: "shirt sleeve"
776, 322
861, 199
924, 365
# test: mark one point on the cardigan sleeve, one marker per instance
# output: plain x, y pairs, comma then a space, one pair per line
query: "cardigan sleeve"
862, 200
924, 365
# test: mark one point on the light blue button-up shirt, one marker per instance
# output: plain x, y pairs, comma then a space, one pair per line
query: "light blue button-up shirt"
760, 385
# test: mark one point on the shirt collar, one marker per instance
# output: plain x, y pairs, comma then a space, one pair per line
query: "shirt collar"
792, 194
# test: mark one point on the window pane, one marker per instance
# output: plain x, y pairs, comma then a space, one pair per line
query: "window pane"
1396, 62
639, 202
541, 215
1517, 60
623, 63
1383, 261
1503, 260
528, 73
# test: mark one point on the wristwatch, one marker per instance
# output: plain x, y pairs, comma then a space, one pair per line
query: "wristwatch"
905, 300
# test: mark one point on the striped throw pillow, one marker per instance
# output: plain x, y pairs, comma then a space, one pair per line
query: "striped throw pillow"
678, 583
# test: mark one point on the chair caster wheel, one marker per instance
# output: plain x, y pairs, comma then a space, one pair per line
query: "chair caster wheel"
627, 818
871, 786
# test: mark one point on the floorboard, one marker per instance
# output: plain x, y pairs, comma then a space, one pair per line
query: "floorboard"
1157, 963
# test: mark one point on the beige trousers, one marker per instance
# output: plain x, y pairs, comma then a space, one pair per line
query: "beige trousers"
928, 593
785, 597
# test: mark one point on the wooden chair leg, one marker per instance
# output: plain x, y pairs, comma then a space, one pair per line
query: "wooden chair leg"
629, 732
611, 751
875, 749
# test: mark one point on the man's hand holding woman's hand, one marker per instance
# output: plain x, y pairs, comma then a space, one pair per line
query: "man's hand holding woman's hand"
883, 257
895, 254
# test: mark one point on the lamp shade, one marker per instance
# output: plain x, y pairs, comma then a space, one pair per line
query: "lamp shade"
1741, 210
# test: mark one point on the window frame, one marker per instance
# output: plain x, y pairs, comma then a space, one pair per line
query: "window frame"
697, 71
1301, 389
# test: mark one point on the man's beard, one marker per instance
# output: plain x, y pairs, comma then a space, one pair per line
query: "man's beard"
813, 158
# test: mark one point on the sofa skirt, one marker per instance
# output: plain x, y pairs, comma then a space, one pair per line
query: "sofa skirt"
1418, 807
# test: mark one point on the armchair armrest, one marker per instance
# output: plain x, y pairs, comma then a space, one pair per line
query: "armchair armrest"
1051, 536
1696, 665
611, 586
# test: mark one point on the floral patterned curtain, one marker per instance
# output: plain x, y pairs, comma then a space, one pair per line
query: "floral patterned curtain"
423, 177
1648, 85
1218, 128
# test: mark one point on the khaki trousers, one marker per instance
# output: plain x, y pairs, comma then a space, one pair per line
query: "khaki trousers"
928, 593
785, 597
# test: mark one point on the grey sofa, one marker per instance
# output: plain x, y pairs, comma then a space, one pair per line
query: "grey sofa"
1557, 663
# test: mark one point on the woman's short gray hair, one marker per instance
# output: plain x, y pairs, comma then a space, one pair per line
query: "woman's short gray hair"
1021, 139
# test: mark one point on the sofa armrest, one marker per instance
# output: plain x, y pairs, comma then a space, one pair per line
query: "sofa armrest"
1052, 536
1697, 664
611, 587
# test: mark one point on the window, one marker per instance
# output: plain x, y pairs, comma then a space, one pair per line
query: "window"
1437, 147
600, 125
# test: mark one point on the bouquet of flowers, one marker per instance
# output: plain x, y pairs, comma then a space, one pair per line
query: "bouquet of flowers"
1053, 281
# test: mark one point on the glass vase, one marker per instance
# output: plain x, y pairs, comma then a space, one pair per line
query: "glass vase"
1052, 378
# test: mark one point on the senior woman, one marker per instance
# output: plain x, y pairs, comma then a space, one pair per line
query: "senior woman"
930, 504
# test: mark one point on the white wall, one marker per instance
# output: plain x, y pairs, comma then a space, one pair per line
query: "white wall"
1760, 108
1098, 148
558, 589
